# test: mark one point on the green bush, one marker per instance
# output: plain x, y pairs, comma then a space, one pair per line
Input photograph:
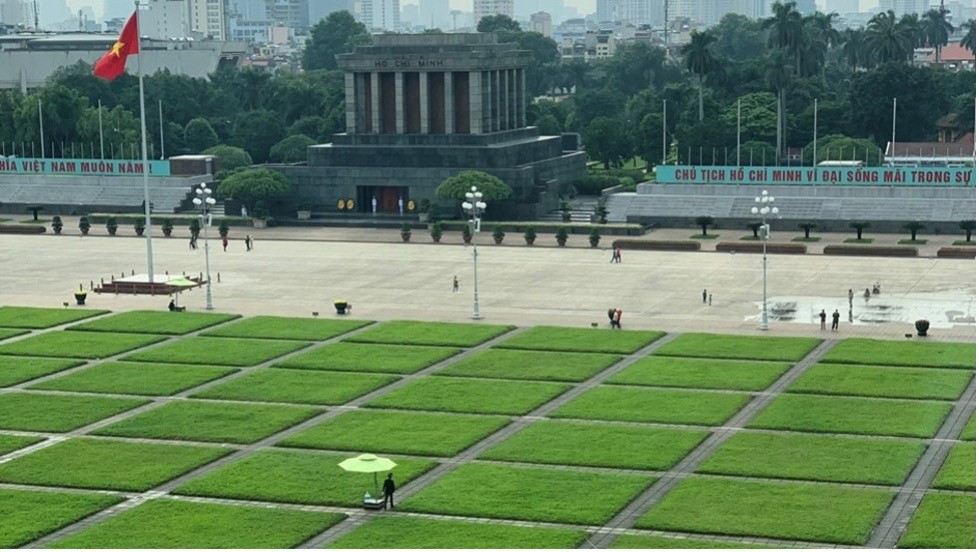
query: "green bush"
593, 184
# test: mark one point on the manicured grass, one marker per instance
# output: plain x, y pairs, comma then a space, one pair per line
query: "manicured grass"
447, 334
648, 542
581, 340
704, 236
178, 524
10, 443
36, 318
816, 457
135, 378
296, 386
739, 347
57, 413
7, 332
470, 396
420, 433
536, 494
363, 357
410, 532
297, 477
942, 521
78, 344
210, 422
26, 516
969, 431
959, 470
155, 322
105, 464
653, 405
278, 327
531, 365
601, 445
858, 240
220, 351
14, 370
903, 353
853, 415
804, 511
806, 240
966, 243
912, 242
702, 373
882, 381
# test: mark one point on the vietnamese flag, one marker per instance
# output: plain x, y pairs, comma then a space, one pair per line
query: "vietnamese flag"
113, 63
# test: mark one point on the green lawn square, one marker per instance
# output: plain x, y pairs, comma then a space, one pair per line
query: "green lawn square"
10, 443
421, 533
969, 431
279, 327
533, 494
739, 347
14, 370
600, 445
903, 353
210, 422
446, 334
942, 521
661, 371
135, 378
652, 542
298, 478
26, 516
816, 457
37, 318
155, 322
628, 404
470, 395
581, 340
58, 413
78, 344
882, 381
853, 415
802, 511
107, 464
296, 386
218, 350
176, 524
363, 357
7, 332
531, 365
959, 471
421, 433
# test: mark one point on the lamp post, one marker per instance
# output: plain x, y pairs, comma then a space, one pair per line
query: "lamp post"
205, 202
765, 206
474, 206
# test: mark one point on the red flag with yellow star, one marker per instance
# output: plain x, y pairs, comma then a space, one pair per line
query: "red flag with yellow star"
113, 63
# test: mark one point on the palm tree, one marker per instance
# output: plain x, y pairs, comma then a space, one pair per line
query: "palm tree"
807, 227
823, 22
700, 60
888, 40
969, 226
915, 27
785, 27
859, 227
778, 76
812, 53
969, 40
703, 222
937, 29
914, 227
854, 47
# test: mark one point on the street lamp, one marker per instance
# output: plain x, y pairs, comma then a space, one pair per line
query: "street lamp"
765, 206
205, 202
474, 206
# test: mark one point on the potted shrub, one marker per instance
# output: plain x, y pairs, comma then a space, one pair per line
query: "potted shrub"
260, 213
561, 236
922, 327
498, 234
405, 232
223, 228
423, 207
304, 210
341, 305
111, 225
594, 237
56, 224
467, 233
80, 296
601, 213
434, 213
565, 211
139, 226
530, 235
167, 227
436, 231
195, 227
84, 225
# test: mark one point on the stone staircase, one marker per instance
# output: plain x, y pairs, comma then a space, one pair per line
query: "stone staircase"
582, 208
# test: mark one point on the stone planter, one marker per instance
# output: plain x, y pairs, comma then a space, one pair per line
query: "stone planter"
405, 236
497, 240
922, 327
80, 297
304, 215
139, 231
57, 229
467, 239
167, 232
84, 230
561, 243
258, 223
529, 241
341, 306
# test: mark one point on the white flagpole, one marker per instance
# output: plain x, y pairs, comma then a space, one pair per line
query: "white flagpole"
161, 131
40, 122
815, 116
146, 171
894, 131
664, 132
739, 133
101, 143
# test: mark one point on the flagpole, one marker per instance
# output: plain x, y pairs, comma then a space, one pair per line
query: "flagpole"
146, 171
162, 157
40, 124
815, 116
893, 131
739, 133
101, 143
664, 132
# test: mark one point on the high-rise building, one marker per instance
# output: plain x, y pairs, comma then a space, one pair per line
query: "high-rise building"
117, 8
637, 12
435, 14
289, 13
806, 7
842, 6
15, 12
607, 10
901, 7
411, 15
206, 17
380, 15
483, 8
248, 10
164, 19
321, 9
540, 22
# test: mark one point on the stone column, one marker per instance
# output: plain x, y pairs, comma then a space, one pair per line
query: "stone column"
507, 97
361, 107
423, 100
514, 91
450, 113
399, 102
350, 105
375, 122
521, 97
475, 102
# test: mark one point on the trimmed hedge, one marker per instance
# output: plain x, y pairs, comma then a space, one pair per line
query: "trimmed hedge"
871, 250
551, 227
593, 184
755, 247
157, 220
22, 229
658, 245
957, 252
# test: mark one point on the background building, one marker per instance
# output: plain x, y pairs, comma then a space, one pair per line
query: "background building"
901, 7
207, 18
379, 15
435, 14
164, 19
540, 22
16, 12
482, 8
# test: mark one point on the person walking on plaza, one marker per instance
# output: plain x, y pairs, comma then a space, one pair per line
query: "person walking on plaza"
851, 297
611, 317
617, 319
455, 284
618, 254
836, 320
248, 242
710, 299
704, 295
389, 491
224, 243
822, 319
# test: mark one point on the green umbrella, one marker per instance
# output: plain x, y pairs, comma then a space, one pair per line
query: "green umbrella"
182, 283
367, 463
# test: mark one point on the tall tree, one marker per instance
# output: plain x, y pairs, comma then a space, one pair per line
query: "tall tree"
888, 40
854, 48
969, 39
785, 30
607, 140
497, 23
778, 76
700, 61
937, 29
338, 33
